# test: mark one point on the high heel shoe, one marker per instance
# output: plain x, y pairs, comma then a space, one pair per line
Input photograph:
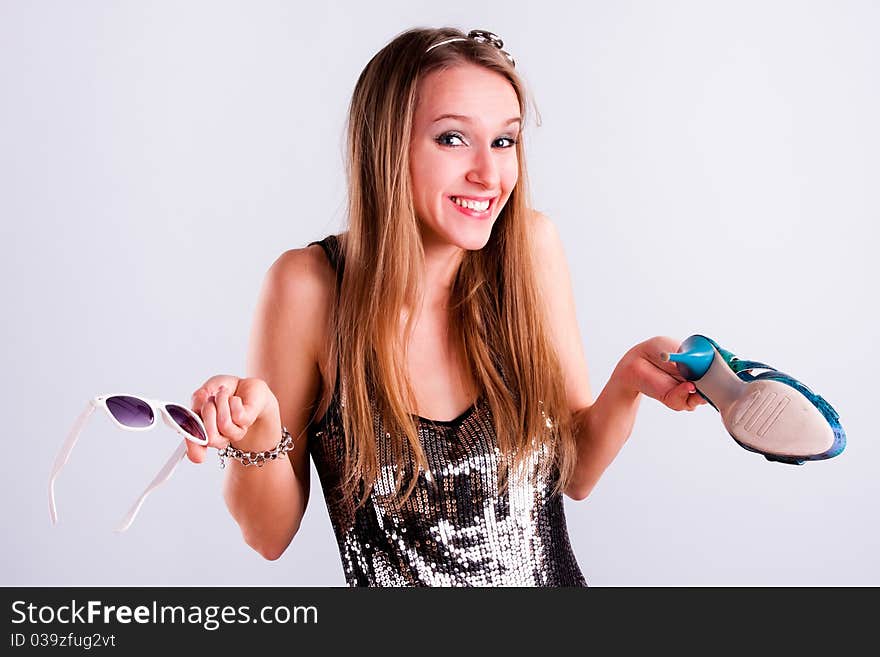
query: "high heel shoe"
760, 412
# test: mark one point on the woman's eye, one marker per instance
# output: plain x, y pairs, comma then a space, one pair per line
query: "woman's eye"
443, 139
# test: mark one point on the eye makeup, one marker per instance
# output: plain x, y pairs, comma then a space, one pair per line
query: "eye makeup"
451, 134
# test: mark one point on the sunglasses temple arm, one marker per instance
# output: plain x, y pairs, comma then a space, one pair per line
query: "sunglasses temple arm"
64, 454
163, 476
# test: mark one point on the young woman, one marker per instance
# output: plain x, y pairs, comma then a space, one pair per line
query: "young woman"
428, 358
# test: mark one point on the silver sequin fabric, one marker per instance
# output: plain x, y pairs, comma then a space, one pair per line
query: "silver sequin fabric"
457, 528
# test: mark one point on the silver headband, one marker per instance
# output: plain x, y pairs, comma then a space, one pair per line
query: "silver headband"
481, 36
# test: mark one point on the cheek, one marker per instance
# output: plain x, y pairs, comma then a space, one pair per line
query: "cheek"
416, 174
426, 174
510, 176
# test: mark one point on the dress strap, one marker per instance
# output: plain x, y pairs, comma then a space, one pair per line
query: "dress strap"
332, 246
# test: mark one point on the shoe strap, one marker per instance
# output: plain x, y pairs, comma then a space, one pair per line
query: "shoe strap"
738, 365
742, 367
789, 380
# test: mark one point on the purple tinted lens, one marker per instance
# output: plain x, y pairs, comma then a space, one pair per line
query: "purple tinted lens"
130, 411
185, 420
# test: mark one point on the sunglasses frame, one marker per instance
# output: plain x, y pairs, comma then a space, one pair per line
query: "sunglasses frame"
158, 408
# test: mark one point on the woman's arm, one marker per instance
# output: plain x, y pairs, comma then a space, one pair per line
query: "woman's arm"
291, 317
603, 426
601, 430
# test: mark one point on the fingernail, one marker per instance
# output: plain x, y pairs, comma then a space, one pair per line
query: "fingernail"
692, 388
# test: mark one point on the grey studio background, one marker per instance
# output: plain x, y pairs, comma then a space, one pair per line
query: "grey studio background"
711, 166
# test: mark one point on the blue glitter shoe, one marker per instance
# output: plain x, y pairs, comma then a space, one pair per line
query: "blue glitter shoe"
760, 412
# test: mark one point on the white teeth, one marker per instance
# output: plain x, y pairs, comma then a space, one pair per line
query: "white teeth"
479, 206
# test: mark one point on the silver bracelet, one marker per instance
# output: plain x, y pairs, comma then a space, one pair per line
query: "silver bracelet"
257, 458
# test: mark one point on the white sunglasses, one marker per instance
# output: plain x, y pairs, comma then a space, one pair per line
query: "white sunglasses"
134, 413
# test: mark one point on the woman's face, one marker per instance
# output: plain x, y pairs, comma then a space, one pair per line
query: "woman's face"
468, 158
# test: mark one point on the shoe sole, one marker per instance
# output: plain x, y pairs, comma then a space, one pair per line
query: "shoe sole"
767, 416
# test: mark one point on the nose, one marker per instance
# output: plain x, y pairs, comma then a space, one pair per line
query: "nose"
484, 169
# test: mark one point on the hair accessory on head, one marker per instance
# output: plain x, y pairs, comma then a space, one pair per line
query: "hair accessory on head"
481, 36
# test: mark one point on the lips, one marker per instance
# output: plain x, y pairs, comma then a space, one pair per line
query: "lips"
485, 214
474, 198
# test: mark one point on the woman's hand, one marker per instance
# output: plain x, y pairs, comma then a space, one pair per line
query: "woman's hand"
642, 371
229, 406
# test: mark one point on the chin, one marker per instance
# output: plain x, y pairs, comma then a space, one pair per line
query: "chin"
472, 240
475, 244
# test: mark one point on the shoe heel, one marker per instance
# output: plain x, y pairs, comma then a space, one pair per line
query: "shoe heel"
699, 361
694, 358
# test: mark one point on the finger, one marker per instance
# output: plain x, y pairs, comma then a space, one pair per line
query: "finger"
252, 393
659, 346
240, 415
695, 400
677, 397
209, 417
251, 398
195, 452
210, 387
691, 396
225, 425
198, 399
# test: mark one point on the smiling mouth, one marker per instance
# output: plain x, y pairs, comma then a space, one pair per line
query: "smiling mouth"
473, 206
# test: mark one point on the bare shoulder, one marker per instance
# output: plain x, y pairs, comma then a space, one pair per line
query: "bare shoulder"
288, 337
551, 267
545, 237
301, 283
306, 270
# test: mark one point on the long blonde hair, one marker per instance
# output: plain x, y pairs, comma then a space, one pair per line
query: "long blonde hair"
495, 309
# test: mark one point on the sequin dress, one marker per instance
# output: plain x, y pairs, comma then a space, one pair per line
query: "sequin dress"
456, 529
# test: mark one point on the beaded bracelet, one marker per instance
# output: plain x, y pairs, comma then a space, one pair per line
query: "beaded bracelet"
257, 458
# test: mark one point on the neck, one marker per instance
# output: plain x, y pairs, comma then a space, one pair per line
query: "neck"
441, 264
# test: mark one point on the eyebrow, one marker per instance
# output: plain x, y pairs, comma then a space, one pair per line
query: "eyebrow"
468, 119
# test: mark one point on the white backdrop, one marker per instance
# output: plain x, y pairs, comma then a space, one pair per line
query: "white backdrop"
712, 168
